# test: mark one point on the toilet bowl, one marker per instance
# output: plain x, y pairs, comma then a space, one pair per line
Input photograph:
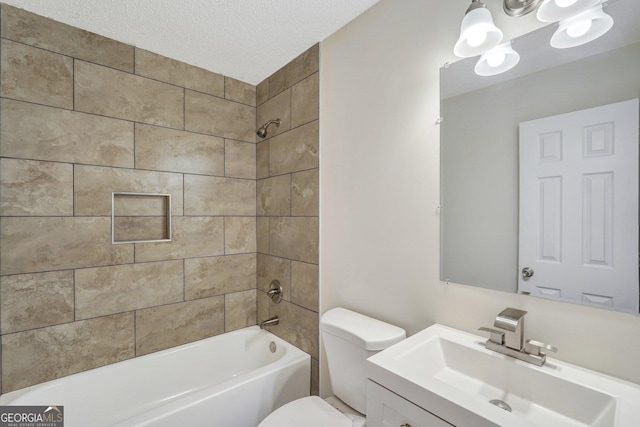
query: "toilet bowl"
313, 411
349, 339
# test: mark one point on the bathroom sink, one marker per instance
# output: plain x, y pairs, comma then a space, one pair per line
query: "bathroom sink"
451, 374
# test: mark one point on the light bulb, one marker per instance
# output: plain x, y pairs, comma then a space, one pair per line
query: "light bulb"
495, 59
579, 28
561, 10
565, 3
476, 37
498, 60
478, 33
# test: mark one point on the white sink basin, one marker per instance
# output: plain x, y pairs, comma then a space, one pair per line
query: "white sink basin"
451, 374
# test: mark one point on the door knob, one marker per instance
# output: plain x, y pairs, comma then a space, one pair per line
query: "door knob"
527, 272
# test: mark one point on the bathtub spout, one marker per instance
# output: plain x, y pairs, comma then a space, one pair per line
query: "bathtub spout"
269, 322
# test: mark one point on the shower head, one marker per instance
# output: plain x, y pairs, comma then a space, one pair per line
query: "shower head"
262, 131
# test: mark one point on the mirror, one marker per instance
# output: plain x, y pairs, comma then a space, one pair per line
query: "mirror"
480, 137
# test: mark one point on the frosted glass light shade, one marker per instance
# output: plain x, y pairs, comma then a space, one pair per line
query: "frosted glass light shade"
559, 10
478, 34
582, 28
498, 60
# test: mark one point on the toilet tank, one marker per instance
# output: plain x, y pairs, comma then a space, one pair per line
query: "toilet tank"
349, 339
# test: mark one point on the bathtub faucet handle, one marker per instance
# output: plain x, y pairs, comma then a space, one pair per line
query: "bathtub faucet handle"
275, 291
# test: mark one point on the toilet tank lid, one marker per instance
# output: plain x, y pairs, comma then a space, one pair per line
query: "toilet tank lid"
366, 332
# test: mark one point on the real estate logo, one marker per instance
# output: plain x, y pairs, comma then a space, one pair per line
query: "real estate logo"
31, 416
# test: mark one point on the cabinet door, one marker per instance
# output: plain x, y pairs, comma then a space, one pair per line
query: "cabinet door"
387, 409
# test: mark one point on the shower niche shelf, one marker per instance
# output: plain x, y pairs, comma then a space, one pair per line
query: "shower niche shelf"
140, 217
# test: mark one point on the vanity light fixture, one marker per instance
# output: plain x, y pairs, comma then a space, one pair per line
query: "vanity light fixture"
580, 21
582, 28
559, 10
478, 33
498, 60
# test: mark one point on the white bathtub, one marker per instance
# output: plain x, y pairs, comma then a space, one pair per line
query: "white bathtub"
230, 380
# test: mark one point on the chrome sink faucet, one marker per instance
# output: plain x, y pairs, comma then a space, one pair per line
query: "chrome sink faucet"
508, 338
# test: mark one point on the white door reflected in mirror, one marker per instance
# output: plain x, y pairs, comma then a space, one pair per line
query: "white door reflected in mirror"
579, 206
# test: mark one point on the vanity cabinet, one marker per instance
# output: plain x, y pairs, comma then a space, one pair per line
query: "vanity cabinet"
443, 377
387, 409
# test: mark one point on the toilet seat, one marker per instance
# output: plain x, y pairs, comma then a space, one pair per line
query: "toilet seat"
309, 411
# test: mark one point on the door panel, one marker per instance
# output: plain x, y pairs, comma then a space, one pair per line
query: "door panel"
579, 206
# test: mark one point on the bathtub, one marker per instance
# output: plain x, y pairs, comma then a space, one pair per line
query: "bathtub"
233, 379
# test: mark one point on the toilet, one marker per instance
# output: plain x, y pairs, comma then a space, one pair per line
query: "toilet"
349, 339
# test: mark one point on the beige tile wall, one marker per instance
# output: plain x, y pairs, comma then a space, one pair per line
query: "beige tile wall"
287, 202
82, 116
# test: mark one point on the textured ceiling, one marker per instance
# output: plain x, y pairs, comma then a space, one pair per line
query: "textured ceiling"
244, 39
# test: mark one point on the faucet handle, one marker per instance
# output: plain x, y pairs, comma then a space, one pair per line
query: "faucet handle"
495, 336
534, 347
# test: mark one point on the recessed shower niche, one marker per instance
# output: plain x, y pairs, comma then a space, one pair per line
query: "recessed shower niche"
140, 217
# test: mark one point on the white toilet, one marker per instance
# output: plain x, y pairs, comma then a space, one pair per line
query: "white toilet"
349, 339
